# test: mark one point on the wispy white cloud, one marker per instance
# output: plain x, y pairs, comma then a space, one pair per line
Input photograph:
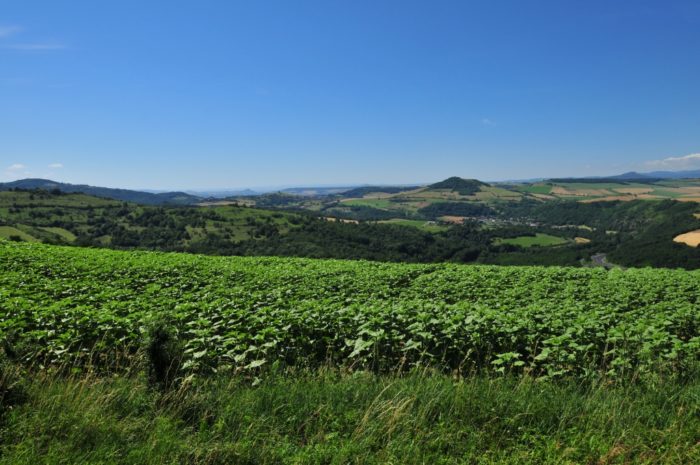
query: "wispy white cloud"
686, 162
56, 166
7, 31
35, 47
487, 122
16, 167
28, 45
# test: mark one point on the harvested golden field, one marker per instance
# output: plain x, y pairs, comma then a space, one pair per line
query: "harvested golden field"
544, 196
690, 238
634, 190
453, 219
609, 198
688, 190
559, 190
625, 198
582, 240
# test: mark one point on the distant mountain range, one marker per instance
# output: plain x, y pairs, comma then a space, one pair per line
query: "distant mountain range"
689, 174
464, 186
649, 176
316, 191
126, 195
220, 194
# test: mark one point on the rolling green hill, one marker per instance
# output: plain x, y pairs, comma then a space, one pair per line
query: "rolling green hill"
460, 185
126, 195
636, 233
63, 218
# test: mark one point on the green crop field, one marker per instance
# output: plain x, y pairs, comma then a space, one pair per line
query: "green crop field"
538, 239
533, 188
151, 358
242, 314
375, 203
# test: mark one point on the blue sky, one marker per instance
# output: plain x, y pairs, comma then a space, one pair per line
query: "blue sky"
228, 94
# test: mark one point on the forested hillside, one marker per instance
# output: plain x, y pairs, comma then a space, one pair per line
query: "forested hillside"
632, 233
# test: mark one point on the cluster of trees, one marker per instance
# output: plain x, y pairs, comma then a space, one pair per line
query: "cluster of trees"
361, 212
385, 242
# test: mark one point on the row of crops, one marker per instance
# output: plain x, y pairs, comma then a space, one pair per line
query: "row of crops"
69, 305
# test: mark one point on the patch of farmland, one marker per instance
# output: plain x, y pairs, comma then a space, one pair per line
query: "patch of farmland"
539, 239
691, 238
497, 193
429, 226
535, 188
693, 190
579, 192
453, 219
8, 232
64, 233
543, 196
441, 194
634, 190
241, 314
624, 198
383, 204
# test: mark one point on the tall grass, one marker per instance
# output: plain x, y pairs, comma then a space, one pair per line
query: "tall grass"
329, 417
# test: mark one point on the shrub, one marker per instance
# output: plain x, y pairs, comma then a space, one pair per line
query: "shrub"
164, 353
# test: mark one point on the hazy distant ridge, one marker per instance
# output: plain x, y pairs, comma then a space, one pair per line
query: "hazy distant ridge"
126, 195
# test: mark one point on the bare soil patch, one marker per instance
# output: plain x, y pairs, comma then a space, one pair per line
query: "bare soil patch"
559, 190
453, 219
691, 238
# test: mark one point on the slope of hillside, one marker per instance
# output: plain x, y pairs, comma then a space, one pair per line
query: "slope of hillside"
75, 218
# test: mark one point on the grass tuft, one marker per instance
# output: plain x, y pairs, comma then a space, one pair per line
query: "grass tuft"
326, 416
